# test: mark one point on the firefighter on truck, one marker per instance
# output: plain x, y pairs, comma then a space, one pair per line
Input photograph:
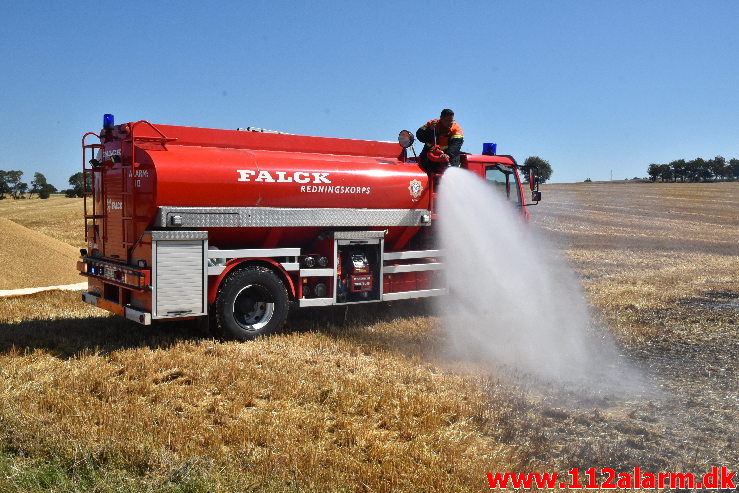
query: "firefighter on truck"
442, 140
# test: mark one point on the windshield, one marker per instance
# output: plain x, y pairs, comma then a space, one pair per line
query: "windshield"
503, 179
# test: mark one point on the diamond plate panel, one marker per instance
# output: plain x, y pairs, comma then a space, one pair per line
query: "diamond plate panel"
275, 217
358, 235
178, 235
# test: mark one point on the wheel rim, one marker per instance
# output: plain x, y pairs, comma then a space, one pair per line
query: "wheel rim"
253, 308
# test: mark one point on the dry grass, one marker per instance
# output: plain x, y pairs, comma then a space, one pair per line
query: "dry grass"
31, 259
90, 401
314, 409
58, 217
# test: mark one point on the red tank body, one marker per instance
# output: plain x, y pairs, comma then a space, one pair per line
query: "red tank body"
207, 168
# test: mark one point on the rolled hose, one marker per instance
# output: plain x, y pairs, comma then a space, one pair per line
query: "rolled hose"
436, 155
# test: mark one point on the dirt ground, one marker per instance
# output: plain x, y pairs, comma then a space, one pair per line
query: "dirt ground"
661, 263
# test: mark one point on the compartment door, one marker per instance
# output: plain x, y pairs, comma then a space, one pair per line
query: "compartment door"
179, 278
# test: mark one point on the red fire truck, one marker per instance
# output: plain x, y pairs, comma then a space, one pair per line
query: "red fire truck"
241, 225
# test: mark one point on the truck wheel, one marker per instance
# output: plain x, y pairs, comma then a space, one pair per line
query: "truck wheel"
252, 302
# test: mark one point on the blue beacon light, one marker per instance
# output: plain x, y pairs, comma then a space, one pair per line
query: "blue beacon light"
489, 148
108, 121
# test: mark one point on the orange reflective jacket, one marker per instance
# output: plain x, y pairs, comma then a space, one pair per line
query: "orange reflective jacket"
443, 136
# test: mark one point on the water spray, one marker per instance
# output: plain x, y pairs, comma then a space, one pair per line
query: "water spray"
515, 303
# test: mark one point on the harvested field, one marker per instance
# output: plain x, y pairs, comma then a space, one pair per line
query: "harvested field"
31, 259
58, 217
371, 403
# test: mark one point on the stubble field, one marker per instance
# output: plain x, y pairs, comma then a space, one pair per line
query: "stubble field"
370, 400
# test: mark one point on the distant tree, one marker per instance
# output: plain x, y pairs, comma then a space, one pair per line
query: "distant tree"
16, 188
75, 181
693, 169
734, 167
46, 191
20, 190
665, 172
653, 171
588, 180
38, 184
543, 167
4, 188
719, 169
679, 169
702, 169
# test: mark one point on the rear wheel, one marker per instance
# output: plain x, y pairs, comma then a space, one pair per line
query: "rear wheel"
252, 302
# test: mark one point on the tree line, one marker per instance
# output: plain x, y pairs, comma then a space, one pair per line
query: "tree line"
695, 170
13, 186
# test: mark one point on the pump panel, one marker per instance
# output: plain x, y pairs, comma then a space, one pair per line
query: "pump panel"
359, 266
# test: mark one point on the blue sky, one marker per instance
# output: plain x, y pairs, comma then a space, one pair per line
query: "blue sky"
591, 86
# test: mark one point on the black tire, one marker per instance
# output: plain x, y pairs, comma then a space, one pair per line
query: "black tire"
252, 302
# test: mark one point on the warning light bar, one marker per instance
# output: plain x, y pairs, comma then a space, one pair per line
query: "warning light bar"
489, 148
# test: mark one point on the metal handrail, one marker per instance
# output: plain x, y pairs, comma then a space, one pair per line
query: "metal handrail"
162, 137
85, 191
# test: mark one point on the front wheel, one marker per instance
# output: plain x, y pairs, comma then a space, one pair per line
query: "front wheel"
252, 302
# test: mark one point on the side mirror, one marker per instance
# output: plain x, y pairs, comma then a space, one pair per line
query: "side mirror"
535, 196
405, 139
532, 179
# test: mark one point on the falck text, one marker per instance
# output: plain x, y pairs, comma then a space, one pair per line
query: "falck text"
311, 182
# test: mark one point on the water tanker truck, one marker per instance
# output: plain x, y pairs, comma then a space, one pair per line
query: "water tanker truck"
240, 226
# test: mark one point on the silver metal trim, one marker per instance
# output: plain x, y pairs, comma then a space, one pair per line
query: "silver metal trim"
395, 269
276, 217
358, 302
254, 253
135, 315
153, 279
360, 241
327, 272
412, 254
90, 298
316, 302
335, 261
413, 294
205, 275
381, 279
304, 302
358, 235
130, 313
216, 270
178, 235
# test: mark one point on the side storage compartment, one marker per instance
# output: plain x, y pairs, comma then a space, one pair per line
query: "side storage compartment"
179, 274
359, 273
